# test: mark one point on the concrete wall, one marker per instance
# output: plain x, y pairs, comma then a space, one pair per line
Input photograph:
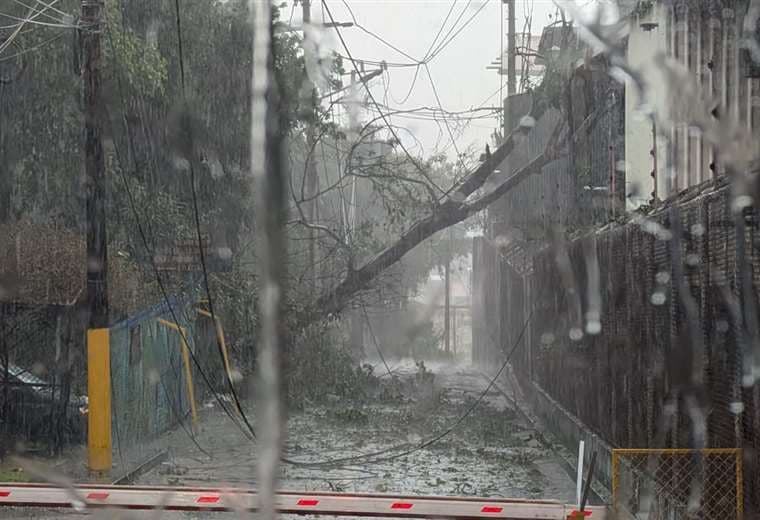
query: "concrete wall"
643, 46
569, 431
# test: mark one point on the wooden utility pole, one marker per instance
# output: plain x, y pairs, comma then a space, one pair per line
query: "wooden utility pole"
511, 48
98, 345
94, 165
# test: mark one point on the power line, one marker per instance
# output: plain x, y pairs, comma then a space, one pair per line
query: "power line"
445, 43
371, 456
427, 53
157, 275
445, 120
440, 30
374, 102
196, 214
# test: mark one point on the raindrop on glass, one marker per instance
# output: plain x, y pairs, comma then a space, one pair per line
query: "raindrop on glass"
658, 298
740, 202
78, 506
692, 259
593, 327
527, 122
662, 277
576, 334
501, 241
721, 326
736, 407
697, 230
547, 338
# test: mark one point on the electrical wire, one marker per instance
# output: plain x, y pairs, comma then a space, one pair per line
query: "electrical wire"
446, 43
374, 457
445, 119
41, 12
374, 102
427, 53
151, 256
202, 254
29, 18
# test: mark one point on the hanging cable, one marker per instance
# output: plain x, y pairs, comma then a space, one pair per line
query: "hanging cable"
374, 102
151, 256
196, 214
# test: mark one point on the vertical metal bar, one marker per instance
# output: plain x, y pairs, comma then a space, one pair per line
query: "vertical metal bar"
187, 367
99, 400
511, 50
615, 477
188, 376
739, 485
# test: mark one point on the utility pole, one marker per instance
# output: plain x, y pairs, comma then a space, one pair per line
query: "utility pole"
511, 48
312, 180
98, 345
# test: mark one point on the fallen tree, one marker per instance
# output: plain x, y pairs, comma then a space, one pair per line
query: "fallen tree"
458, 205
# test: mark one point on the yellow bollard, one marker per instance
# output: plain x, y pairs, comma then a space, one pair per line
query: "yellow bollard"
99, 400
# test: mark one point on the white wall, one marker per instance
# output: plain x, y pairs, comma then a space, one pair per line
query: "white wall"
642, 48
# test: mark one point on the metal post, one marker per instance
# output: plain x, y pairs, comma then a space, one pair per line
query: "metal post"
185, 349
312, 179
447, 299
98, 345
454, 330
511, 49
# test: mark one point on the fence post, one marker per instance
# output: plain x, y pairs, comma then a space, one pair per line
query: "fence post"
739, 485
185, 348
615, 478
99, 400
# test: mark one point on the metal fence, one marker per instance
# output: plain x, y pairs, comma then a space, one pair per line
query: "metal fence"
149, 372
676, 294
660, 483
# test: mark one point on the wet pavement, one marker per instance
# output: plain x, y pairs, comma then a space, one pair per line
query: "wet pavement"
493, 452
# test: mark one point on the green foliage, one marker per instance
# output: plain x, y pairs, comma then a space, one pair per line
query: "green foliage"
139, 60
322, 367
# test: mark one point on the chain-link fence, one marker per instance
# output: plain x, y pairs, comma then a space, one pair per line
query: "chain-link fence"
637, 360
678, 483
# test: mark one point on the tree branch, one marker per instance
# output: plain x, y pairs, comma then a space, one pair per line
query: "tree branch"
445, 216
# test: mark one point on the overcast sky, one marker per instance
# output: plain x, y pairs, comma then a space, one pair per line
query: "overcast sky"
458, 71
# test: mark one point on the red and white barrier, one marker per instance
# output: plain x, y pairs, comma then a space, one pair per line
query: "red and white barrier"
334, 504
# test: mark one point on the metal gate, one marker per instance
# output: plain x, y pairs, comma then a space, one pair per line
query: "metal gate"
661, 482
